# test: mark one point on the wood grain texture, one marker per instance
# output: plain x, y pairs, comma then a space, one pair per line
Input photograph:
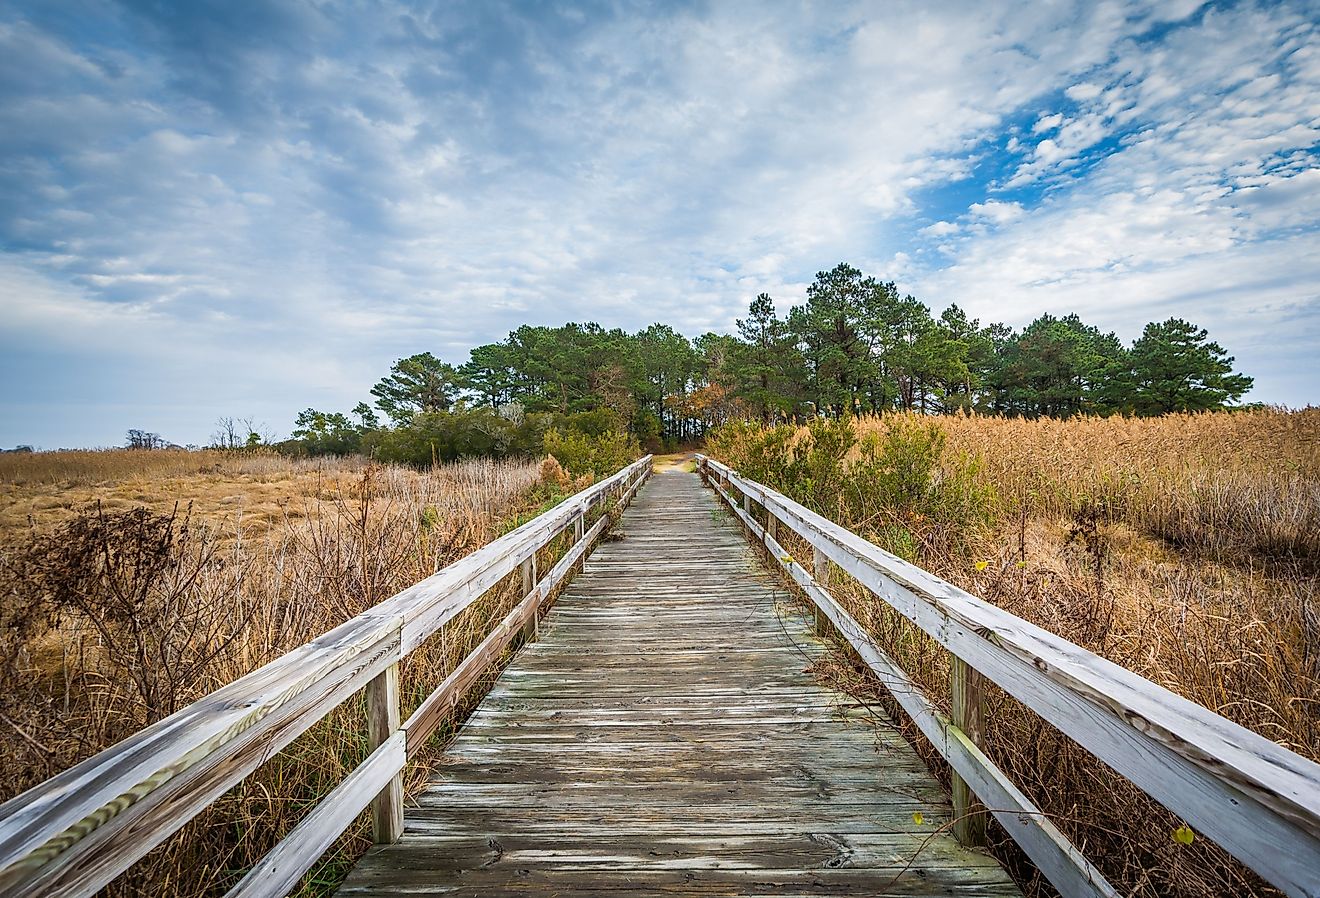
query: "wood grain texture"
965, 712
664, 737
382, 724
1057, 858
447, 695
74, 833
282, 867
1252, 796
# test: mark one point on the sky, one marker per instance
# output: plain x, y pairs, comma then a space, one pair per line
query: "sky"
224, 208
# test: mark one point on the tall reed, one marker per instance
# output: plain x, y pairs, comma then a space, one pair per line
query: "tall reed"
1184, 548
112, 619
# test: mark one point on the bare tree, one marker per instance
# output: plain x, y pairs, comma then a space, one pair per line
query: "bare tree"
240, 433
145, 439
226, 435
255, 434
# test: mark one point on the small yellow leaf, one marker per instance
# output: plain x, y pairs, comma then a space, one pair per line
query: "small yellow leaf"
1021, 564
1183, 835
786, 559
918, 819
982, 565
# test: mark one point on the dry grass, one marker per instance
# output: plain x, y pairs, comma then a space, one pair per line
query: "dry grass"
252, 489
1227, 486
1184, 548
212, 596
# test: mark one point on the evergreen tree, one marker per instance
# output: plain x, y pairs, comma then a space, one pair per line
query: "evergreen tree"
764, 362
840, 330
326, 433
489, 375
1176, 368
419, 383
967, 381
1059, 367
669, 368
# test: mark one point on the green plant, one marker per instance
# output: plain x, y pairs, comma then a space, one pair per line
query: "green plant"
601, 455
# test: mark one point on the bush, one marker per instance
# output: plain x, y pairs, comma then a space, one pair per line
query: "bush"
901, 488
443, 437
599, 456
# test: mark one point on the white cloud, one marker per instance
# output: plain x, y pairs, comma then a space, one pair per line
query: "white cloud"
1082, 92
996, 211
341, 187
941, 229
1047, 123
1210, 211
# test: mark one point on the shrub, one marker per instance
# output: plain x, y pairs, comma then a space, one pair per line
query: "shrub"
901, 486
1183, 548
580, 453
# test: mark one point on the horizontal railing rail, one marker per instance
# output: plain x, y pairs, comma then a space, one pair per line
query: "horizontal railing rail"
74, 833
1255, 798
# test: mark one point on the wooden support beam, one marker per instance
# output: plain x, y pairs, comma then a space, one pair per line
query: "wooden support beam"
965, 689
820, 572
382, 723
276, 874
532, 629
1254, 797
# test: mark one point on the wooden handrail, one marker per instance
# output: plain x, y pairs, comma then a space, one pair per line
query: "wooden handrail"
1254, 797
74, 833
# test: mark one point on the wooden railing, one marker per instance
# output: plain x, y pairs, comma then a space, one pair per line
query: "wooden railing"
1255, 798
74, 833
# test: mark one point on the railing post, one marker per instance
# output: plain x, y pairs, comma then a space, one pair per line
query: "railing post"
820, 572
579, 528
531, 629
967, 715
771, 525
382, 723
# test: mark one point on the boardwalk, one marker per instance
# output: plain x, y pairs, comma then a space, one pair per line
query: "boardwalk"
664, 737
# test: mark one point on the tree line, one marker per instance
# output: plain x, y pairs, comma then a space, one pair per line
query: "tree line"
857, 345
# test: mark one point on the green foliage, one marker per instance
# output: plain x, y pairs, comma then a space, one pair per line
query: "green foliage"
419, 384
1175, 368
762, 362
760, 452
857, 345
324, 433
816, 472
597, 454
902, 488
1059, 367
445, 436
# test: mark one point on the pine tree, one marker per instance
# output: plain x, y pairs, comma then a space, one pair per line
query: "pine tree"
419, 383
1175, 368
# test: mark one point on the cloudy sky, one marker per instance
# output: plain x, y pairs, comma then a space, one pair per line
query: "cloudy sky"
231, 208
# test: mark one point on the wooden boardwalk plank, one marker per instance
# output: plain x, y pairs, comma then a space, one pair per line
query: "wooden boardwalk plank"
664, 737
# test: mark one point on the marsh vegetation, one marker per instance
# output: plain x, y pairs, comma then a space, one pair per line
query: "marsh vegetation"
1182, 548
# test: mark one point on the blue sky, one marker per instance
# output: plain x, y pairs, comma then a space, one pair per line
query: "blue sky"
230, 208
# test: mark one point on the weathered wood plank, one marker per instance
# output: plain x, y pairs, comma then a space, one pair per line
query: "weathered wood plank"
74, 833
279, 871
664, 736
965, 708
382, 724
422, 723
1254, 797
